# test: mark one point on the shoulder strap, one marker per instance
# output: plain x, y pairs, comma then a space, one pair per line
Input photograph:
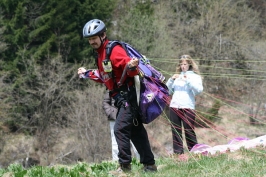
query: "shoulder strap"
111, 44
109, 47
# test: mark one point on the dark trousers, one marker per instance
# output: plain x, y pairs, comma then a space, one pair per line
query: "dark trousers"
187, 118
128, 127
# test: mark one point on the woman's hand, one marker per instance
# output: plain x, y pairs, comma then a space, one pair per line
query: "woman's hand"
175, 76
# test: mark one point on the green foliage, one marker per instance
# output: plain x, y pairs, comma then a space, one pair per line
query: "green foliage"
189, 9
102, 168
46, 29
36, 34
207, 118
17, 170
213, 112
137, 27
241, 163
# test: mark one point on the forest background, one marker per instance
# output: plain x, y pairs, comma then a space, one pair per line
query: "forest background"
49, 115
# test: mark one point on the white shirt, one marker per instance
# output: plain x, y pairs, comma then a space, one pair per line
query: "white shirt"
184, 90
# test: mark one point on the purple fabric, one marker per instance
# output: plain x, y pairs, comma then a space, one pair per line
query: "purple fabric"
152, 98
237, 139
153, 91
144, 64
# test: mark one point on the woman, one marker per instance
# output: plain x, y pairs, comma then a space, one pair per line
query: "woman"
184, 86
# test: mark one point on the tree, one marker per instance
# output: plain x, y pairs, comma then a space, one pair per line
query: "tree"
37, 36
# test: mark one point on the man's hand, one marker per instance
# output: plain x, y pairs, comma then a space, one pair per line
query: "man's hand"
81, 70
133, 63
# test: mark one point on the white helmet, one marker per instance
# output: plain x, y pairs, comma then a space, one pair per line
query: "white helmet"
93, 27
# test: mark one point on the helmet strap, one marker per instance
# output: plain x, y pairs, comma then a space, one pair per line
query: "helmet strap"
100, 36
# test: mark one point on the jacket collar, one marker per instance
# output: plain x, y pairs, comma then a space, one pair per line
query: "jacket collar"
187, 72
102, 47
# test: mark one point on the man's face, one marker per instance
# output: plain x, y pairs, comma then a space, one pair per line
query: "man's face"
95, 41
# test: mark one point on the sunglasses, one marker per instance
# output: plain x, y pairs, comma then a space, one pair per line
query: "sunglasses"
184, 56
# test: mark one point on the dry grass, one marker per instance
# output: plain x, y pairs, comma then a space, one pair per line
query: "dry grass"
232, 125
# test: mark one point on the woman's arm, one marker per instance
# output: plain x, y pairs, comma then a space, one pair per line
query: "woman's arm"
195, 83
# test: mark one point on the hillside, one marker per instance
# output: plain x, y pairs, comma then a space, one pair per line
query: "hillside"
50, 116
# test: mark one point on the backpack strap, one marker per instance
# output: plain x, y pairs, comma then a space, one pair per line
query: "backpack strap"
109, 47
111, 44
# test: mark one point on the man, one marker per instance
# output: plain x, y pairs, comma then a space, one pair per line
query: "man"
128, 124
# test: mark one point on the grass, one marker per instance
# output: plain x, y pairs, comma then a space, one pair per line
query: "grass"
243, 163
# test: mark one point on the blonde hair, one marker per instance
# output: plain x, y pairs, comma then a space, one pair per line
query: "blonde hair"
192, 64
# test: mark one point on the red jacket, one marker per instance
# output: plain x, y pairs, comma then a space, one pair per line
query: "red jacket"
119, 60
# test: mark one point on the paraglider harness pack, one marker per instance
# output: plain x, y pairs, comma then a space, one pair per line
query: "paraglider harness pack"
152, 92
